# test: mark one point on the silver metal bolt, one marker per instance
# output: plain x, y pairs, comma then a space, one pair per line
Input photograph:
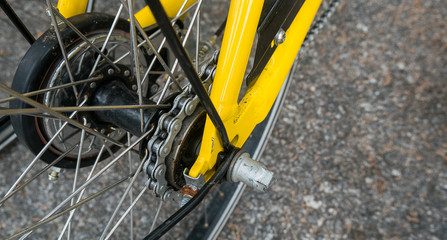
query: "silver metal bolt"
192, 186
280, 37
110, 71
185, 200
92, 85
154, 88
134, 87
53, 176
54, 173
126, 73
48, 12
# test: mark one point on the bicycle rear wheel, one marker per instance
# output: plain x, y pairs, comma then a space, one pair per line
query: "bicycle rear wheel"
96, 150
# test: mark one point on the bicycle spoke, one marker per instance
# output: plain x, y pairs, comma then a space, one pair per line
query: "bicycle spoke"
37, 92
156, 72
61, 44
90, 6
34, 161
129, 209
75, 180
82, 192
56, 114
129, 156
94, 178
199, 4
60, 214
72, 27
115, 21
111, 153
197, 40
156, 216
122, 198
7, 111
136, 62
23, 185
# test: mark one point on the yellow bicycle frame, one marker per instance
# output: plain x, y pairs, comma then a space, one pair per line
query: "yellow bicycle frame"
239, 118
69, 8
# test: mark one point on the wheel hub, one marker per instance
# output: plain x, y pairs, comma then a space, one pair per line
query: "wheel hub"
116, 88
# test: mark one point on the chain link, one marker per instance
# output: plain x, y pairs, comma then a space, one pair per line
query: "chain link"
319, 24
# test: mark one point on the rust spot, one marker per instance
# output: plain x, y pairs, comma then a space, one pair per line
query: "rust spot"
188, 190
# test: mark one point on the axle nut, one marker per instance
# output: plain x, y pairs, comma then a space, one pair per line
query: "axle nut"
251, 172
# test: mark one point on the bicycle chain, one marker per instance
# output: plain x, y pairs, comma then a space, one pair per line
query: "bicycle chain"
168, 126
159, 146
319, 24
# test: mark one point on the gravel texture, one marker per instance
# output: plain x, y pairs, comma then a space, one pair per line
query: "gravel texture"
360, 150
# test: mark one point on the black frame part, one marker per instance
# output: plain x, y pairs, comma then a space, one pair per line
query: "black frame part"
187, 66
280, 15
17, 22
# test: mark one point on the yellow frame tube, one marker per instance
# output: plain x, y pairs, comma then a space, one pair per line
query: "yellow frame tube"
240, 30
171, 7
241, 119
69, 8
